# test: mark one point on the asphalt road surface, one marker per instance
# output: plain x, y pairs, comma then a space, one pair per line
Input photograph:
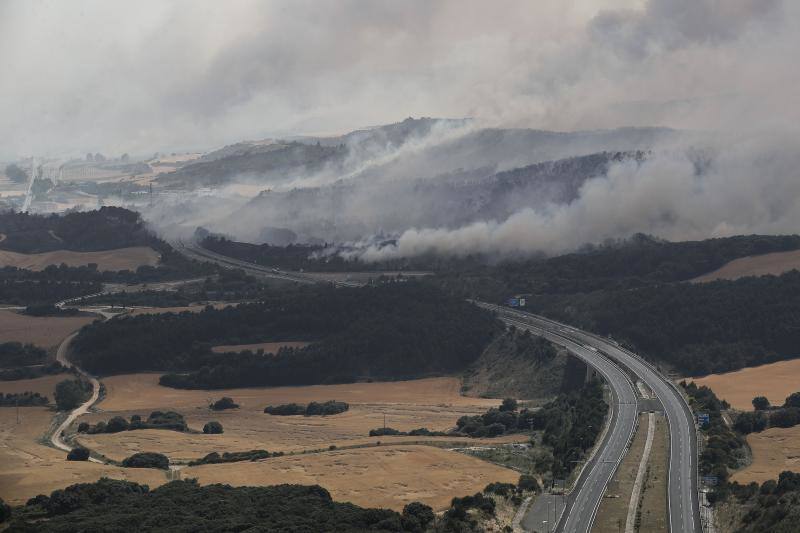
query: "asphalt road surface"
683, 501
582, 503
199, 253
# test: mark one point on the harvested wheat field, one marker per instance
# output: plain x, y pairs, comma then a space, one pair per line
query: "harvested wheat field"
195, 308
28, 468
755, 265
774, 450
268, 347
41, 331
45, 386
385, 476
434, 403
776, 381
120, 259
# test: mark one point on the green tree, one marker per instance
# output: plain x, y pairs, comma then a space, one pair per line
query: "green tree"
70, 393
212, 428
5, 511
509, 404
760, 403
78, 454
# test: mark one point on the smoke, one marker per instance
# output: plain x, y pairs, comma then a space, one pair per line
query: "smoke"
142, 77
750, 186
139, 77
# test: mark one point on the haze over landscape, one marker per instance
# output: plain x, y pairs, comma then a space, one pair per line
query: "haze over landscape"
400, 266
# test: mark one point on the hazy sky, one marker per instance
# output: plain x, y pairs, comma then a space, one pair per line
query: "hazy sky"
137, 77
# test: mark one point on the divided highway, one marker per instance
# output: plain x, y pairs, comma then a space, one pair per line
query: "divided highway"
683, 501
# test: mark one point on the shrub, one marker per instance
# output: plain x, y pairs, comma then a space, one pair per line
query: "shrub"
212, 428
501, 489
760, 403
146, 460
5, 511
509, 404
224, 403
528, 482
78, 454
83, 427
287, 409
416, 517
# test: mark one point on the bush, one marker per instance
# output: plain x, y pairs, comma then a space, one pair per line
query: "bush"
78, 454
147, 460
760, 403
117, 424
501, 489
212, 428
509, 404
224, 403
5, 511
331, 407
416, 517
528, 482
70, 393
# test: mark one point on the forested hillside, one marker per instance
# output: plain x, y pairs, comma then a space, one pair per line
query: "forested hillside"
637, 262
384, 332
697, 328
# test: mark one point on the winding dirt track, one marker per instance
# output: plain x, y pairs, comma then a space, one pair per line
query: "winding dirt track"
57, 437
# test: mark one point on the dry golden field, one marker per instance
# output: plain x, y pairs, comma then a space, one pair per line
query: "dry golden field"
386, 476
120, 259
776, 381
28, 468
268, 347
42, 331
755, 265
774, 450
433, 403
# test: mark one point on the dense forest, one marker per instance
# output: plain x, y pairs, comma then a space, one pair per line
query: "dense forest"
185, 506
697, 328
636, 262
383, 332
87, 231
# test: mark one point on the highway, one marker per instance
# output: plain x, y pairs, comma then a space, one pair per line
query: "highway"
682, 495
194, 251
584, 500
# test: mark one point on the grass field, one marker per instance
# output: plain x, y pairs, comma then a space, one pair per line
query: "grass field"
28, 468
120, 259
433, 403
386, 476
755, 265
268, 347
774, 450
42, 331
776, 381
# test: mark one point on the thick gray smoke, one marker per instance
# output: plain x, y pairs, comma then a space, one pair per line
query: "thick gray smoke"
750, 187
722, 74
